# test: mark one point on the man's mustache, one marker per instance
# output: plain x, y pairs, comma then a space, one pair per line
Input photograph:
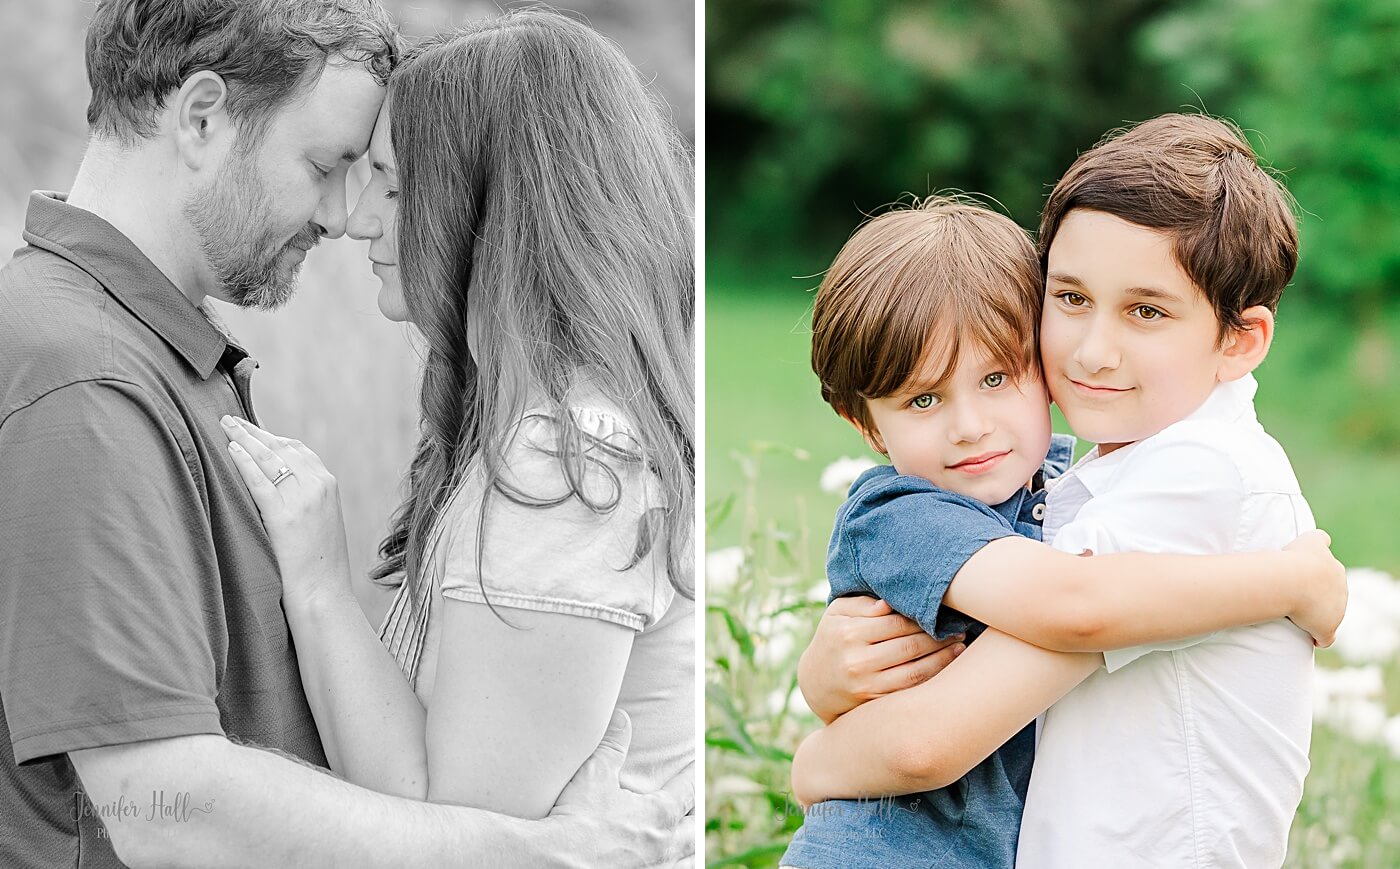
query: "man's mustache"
308, 238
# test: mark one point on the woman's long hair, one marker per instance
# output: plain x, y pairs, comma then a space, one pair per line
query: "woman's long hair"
543, 190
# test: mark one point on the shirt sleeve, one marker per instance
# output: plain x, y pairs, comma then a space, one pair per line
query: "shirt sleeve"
556, 545
1180, 496
908, 546
110, 624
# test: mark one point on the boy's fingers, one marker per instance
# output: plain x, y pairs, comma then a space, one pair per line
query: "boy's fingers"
892, 626
902, 650
916, 672
858, 606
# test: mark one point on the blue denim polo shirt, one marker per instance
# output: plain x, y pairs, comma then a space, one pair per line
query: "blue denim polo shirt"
903, 539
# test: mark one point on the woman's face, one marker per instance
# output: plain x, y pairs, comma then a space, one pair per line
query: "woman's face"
374, 218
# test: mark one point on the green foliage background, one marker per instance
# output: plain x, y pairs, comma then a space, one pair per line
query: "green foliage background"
820, 113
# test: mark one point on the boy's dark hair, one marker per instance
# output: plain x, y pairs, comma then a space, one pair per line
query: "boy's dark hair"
267, 51
919, 281
1196, 179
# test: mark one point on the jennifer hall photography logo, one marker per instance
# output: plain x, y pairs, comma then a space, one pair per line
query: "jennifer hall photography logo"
176, 806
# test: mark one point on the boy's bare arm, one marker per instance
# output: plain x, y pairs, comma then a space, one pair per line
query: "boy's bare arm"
929, 736
1068, 603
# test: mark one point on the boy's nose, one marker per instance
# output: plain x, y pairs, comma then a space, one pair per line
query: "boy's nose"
969, 424
1098, 348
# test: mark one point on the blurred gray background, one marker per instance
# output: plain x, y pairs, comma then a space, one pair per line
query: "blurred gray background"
334, 373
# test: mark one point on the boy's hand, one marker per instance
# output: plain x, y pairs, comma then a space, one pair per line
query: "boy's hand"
1324, 600
863, 649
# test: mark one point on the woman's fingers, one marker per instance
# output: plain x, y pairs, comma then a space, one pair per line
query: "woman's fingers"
267, 456
265, 495
916, 672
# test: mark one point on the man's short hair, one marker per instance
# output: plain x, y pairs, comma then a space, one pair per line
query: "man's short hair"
267, 51
1196, 179
939, 278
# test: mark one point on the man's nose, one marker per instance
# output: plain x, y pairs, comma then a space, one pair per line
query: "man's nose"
330, 218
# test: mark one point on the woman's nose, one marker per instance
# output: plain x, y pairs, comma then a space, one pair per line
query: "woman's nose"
363, 223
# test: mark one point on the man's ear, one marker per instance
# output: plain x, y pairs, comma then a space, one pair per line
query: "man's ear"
871, 435
201, 119
1246, 348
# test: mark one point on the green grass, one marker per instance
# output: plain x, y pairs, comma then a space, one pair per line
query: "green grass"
1327, 393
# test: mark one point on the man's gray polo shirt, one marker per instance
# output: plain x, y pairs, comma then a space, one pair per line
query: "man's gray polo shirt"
139, 596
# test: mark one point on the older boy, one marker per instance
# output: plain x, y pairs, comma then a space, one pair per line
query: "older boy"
1166, 251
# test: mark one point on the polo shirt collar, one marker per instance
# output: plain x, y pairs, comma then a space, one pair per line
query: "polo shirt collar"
1227, 402
101, 250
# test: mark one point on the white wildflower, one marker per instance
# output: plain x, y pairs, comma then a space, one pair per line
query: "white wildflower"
1370, 631
1392, 735
840, 474
1349, 700
722, 567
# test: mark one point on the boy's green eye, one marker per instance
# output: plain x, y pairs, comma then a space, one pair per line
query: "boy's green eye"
992, 381
923, 402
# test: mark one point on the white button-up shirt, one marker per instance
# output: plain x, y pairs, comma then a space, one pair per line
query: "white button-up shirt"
1189, 753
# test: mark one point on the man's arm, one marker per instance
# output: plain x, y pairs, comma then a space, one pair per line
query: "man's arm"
247, 807
929, 736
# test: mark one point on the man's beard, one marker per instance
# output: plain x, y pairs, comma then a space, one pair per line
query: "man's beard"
231, 217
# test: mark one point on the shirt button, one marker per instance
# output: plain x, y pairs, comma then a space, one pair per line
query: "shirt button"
1038, 512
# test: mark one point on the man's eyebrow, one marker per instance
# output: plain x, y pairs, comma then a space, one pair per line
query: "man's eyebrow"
349, 155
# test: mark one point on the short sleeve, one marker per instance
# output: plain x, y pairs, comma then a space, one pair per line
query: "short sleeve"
108, 631
556, 545
907, 546
1181, 496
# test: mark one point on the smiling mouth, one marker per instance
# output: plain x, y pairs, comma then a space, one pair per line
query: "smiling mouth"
980, 464
1096, 390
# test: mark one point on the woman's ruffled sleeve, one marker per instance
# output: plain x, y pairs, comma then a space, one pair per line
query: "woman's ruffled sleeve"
567, 557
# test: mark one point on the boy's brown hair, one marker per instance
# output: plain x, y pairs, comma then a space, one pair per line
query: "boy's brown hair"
1196, 179
928, 279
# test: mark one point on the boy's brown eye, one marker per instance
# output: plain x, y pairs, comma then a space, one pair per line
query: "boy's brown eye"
1147, 312
923, 402
1074, 299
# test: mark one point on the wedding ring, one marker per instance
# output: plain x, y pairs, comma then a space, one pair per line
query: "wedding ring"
282, 473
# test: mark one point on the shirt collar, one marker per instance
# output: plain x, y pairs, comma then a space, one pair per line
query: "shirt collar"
1227, 402
101, 250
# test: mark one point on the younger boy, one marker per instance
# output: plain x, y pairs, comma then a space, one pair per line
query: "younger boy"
924, 338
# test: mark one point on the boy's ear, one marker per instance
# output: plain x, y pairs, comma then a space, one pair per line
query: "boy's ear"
1246, 348
872, 437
